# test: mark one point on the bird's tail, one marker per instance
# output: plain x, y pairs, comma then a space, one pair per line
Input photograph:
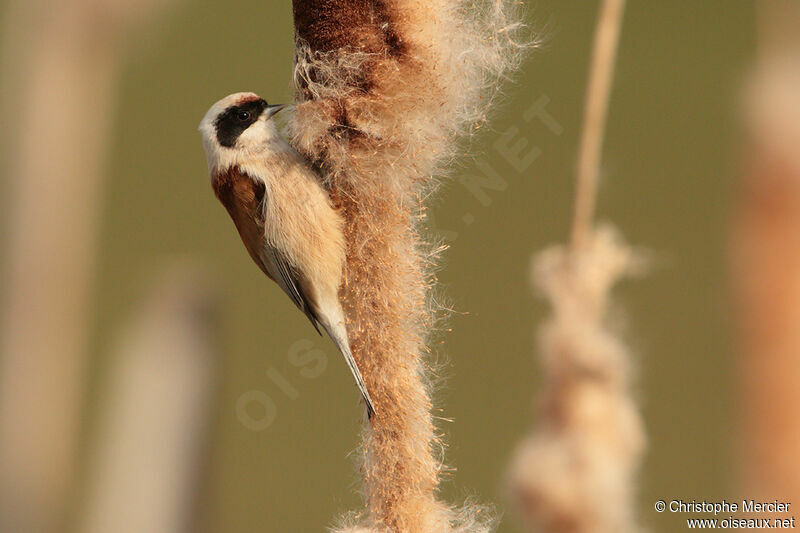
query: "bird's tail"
338, 334
344, 347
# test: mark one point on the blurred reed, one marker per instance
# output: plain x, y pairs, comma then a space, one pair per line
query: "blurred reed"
588, 441
385, 90
766, 262
59, 80
144, 465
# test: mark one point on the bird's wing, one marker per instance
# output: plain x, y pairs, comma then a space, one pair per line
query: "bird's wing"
245, 199
285, 276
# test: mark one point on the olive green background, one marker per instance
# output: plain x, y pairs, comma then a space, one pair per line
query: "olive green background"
668, 181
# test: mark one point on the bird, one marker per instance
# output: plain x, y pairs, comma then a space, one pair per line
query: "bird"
285, 217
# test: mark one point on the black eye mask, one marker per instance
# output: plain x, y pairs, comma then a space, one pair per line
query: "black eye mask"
232, 122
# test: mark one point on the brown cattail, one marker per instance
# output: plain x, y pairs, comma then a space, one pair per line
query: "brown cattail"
385, 89
588, 441
58, 90
766, 263
586, 447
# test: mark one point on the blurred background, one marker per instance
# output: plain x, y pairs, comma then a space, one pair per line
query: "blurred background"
173, 350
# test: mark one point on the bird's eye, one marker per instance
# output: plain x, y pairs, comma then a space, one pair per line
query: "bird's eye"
243, 115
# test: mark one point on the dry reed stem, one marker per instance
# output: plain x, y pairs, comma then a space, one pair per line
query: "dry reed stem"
776, 26
59, 76
589, 439
601, 75
385, 89
766, 266
143, 469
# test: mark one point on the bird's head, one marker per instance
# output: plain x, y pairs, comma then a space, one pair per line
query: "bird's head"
236, 127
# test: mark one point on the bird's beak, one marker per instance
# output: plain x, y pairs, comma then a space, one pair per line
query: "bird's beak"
273, 109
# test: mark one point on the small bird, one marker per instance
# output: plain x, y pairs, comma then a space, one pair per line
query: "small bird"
284, 215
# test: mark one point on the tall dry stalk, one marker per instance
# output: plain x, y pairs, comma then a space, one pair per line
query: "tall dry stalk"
59, 78
588, 441
144, 465
766, 263
384, 90
606, 41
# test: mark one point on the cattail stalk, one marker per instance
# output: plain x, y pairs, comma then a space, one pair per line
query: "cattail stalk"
588, 441
766, 263
604, 52
384, 90
53, 173
144, 465
59, 80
